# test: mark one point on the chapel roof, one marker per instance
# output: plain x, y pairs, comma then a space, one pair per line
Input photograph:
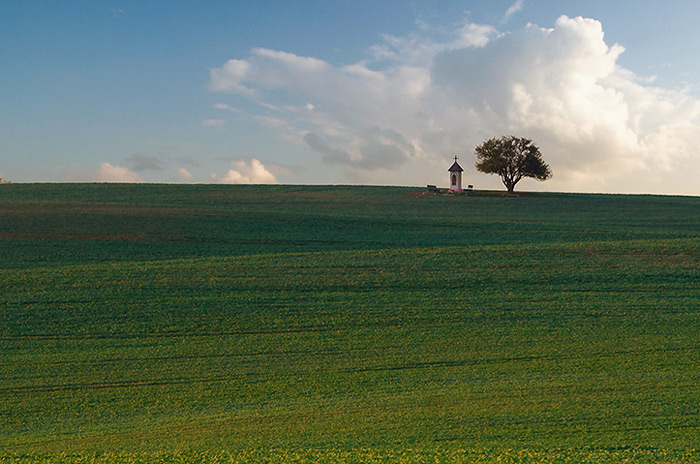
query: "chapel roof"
455, 167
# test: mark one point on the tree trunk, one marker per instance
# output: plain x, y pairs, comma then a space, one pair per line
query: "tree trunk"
510, 187
509, 180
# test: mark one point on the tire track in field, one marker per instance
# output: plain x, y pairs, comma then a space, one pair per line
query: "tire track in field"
133, 336
28, 389
171, 239
524, 358
108, 385
233, 333
255, 354
416, 365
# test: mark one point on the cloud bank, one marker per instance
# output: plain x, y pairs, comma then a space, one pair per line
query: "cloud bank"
421, 100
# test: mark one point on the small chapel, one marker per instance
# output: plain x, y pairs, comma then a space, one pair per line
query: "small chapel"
456, 176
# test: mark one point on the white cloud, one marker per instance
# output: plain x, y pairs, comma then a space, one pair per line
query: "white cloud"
227, 78
242, 172
184, 174
422, 100
514, 8
213, 122
224, 106
109, 173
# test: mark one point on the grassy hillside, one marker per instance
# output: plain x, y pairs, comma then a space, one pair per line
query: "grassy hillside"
162, 323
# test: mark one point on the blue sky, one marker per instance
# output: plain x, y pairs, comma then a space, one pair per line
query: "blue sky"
349, 92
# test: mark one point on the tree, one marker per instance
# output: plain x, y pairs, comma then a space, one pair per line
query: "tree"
512, 158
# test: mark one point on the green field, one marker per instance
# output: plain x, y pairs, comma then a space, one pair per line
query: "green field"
203, 323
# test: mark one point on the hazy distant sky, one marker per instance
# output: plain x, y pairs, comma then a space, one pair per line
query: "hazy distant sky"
368, 92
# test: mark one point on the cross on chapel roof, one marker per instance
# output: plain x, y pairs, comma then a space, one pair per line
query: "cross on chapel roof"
455, 167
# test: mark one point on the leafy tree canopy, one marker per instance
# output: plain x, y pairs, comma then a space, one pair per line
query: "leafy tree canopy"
512, 158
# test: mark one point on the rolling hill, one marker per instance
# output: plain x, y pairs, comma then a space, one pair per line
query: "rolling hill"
206, 323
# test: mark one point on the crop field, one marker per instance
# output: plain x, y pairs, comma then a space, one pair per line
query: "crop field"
274, 324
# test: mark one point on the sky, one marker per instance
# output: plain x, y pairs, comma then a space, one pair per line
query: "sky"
350, 92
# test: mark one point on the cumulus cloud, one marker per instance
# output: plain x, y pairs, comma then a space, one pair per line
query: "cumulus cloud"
109, 173
242, 172
229, 76
421, 100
